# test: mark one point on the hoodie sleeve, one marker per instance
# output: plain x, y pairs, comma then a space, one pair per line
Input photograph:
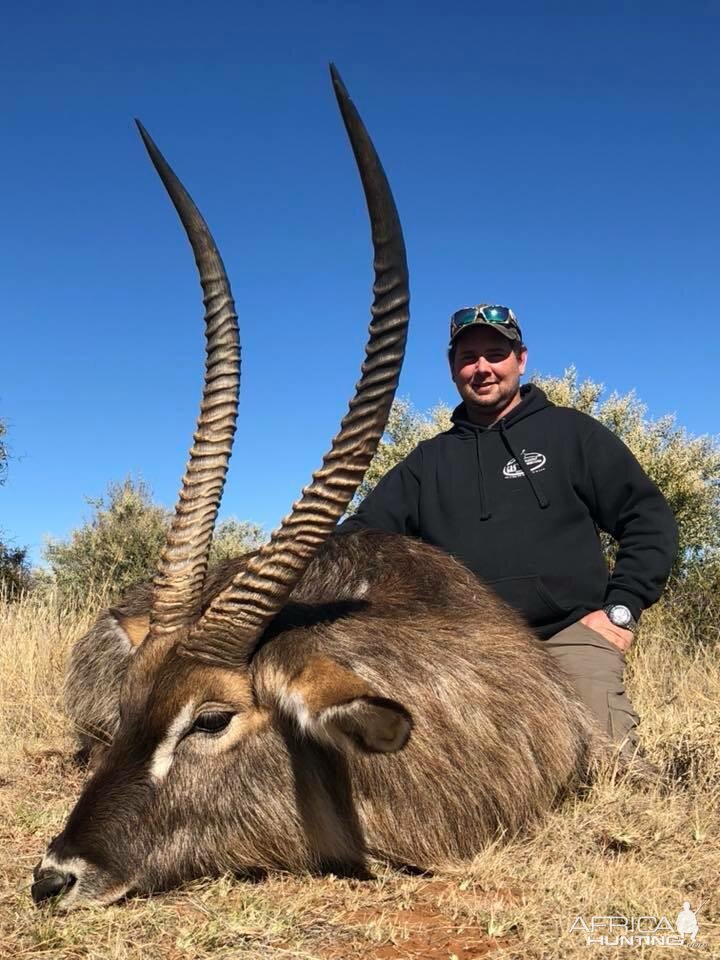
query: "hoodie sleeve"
393, 505
630, 508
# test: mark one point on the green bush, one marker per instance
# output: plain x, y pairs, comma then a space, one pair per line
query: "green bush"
4, 456
120, 545
233, 537
691, 605
685, 468
15, 576
117, 547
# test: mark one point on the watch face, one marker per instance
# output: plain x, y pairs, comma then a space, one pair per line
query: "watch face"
620, 615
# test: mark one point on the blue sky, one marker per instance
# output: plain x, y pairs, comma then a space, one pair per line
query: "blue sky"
564, 164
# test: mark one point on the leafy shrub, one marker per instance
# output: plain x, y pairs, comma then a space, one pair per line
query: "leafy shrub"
692, 605
15, 576
117, 547
120, 545
4, 456
685, 468
233, 537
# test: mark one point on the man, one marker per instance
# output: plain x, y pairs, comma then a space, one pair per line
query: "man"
516, 490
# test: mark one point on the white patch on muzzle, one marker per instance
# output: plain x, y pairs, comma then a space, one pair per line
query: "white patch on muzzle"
165, 751
86, 876
72, 865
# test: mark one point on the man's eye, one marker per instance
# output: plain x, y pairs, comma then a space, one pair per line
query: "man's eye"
212, 722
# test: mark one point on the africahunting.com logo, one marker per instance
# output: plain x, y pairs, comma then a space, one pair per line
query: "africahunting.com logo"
534, 461
642, 931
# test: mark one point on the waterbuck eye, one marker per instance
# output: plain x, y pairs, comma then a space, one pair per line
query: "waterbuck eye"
212, 722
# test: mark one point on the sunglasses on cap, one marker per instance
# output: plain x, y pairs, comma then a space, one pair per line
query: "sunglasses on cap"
493, 314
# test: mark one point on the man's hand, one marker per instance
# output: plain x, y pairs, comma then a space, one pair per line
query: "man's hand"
599, 621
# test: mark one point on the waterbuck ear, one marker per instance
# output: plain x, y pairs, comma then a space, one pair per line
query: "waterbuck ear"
328, 701
135, 627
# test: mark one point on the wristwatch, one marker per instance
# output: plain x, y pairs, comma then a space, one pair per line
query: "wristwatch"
621, 616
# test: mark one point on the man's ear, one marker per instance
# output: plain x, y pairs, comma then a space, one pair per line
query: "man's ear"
329, 702
522, 359
134, 628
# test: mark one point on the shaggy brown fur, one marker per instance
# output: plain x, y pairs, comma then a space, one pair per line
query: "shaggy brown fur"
385, 636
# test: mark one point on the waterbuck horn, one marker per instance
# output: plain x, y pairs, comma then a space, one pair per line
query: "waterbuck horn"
229, 629
180, 576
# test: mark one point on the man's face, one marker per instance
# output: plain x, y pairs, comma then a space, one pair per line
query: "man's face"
486, 370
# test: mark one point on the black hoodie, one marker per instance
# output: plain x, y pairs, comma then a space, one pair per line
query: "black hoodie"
519, 503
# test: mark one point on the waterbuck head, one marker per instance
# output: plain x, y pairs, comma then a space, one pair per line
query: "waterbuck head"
223, 717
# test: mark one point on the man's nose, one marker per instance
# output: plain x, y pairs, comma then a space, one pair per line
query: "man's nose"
482, 365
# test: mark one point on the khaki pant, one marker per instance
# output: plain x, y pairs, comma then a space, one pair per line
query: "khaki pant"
595, 668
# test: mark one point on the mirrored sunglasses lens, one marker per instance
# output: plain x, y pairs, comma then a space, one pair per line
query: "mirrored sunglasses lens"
496, 314
462, 317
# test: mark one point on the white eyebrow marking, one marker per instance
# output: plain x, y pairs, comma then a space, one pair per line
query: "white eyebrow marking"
165, 751
74, 865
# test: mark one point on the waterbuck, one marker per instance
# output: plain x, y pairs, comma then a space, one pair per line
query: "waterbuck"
325, 699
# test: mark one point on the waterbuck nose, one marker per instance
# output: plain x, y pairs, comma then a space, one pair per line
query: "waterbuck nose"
50, 883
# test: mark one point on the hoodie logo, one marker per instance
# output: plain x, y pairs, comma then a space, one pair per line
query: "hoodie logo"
534, 461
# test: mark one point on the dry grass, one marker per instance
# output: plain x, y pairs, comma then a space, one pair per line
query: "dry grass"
614, 852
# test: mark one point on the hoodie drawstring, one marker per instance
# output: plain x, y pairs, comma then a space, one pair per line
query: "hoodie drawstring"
534, 481
484, 512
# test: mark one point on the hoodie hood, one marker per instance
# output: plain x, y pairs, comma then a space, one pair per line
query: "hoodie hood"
532, 400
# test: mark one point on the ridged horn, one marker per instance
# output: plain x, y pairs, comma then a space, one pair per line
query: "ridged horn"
228, 631
178, 584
